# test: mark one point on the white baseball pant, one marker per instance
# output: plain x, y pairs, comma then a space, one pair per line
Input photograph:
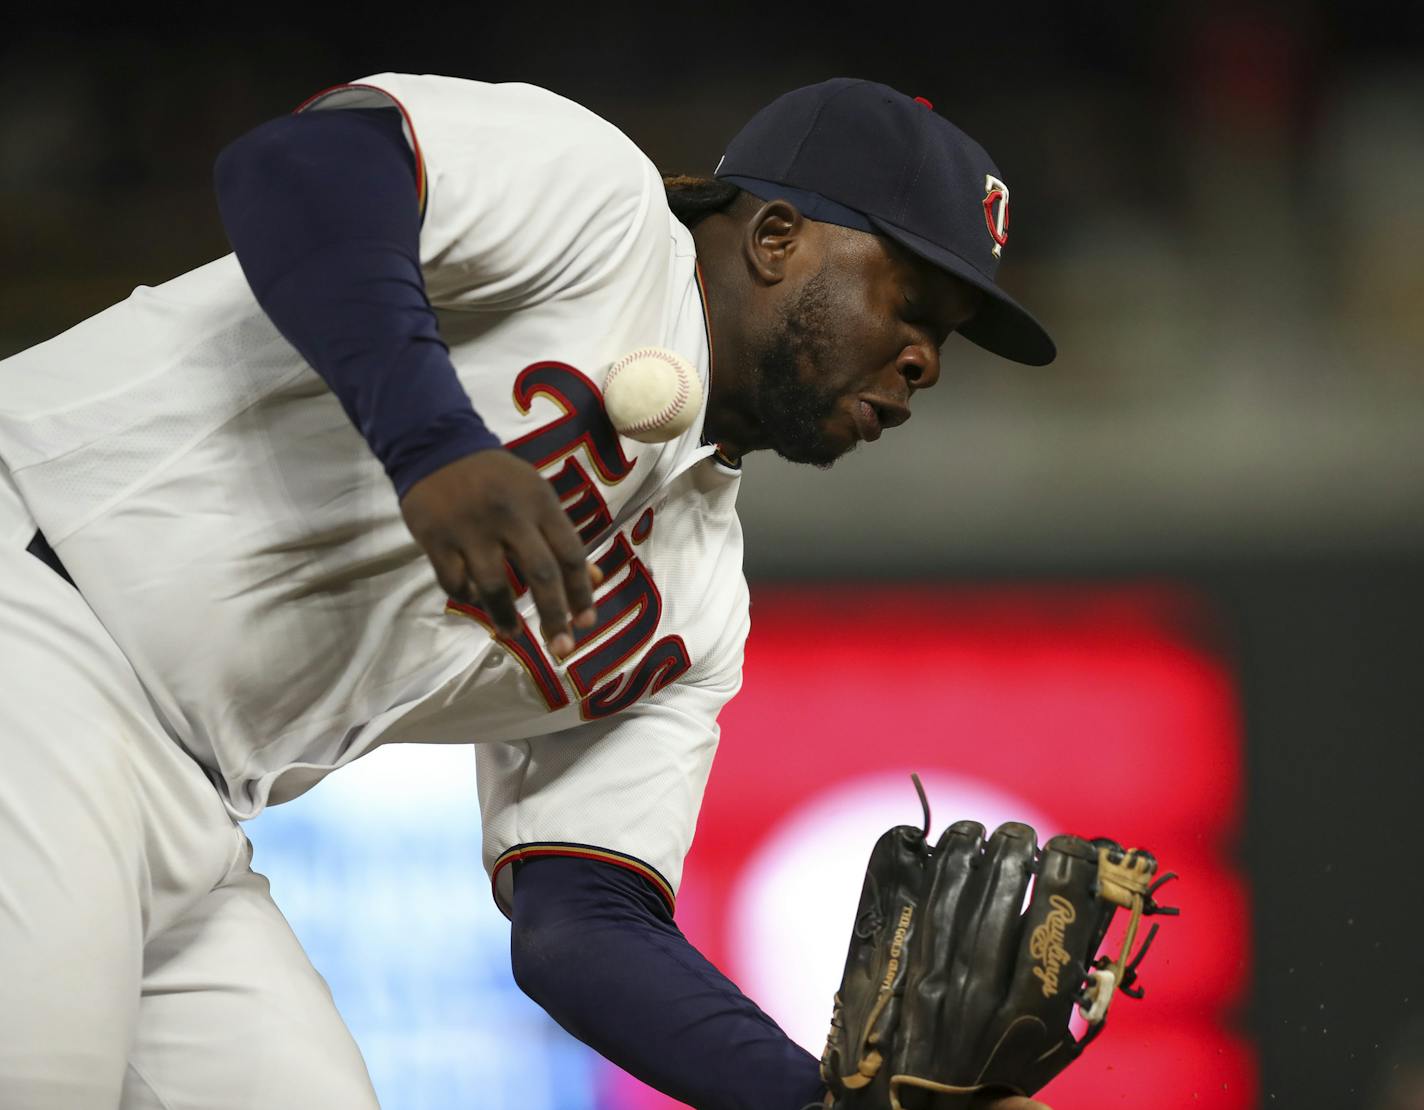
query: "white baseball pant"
143, 963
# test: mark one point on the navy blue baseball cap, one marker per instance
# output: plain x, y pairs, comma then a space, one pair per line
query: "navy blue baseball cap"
860, 154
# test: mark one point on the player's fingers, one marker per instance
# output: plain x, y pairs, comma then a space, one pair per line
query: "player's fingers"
574, 567
449, 570
489, 580
539, 567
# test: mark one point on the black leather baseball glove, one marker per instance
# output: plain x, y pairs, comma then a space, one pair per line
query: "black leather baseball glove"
953, 990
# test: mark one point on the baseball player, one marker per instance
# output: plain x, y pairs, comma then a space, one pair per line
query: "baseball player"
353, 485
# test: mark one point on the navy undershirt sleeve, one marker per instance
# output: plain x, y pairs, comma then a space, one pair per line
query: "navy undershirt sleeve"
322, 211
595, 945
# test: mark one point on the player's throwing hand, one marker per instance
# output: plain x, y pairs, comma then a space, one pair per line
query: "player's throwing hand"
476, 513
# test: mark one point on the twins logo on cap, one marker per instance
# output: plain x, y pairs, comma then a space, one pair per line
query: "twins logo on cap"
996, 211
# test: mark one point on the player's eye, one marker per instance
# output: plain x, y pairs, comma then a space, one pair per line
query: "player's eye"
924, 322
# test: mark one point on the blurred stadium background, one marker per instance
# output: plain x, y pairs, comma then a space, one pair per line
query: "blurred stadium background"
1183, 564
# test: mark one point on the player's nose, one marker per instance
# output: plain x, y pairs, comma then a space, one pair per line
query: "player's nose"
918, 364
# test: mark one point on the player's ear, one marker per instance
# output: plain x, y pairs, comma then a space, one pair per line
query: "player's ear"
772, 235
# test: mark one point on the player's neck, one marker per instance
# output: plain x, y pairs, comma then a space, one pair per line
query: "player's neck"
730, 423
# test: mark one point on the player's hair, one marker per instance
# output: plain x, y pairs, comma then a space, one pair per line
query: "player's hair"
693, 198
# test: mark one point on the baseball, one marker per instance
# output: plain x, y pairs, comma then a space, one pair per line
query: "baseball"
652, 395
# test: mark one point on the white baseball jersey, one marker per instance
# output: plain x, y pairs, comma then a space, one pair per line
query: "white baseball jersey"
245, 550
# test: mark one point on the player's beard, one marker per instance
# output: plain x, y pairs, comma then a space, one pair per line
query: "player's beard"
792, 402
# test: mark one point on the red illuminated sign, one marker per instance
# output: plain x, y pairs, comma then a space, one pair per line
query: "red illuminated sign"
1085, 710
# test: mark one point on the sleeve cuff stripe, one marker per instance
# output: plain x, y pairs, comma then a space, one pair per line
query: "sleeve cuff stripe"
585, 851
420, 179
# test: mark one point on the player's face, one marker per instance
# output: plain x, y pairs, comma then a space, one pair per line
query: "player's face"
851, 344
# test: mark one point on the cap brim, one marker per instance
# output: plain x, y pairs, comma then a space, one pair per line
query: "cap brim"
1001, 325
